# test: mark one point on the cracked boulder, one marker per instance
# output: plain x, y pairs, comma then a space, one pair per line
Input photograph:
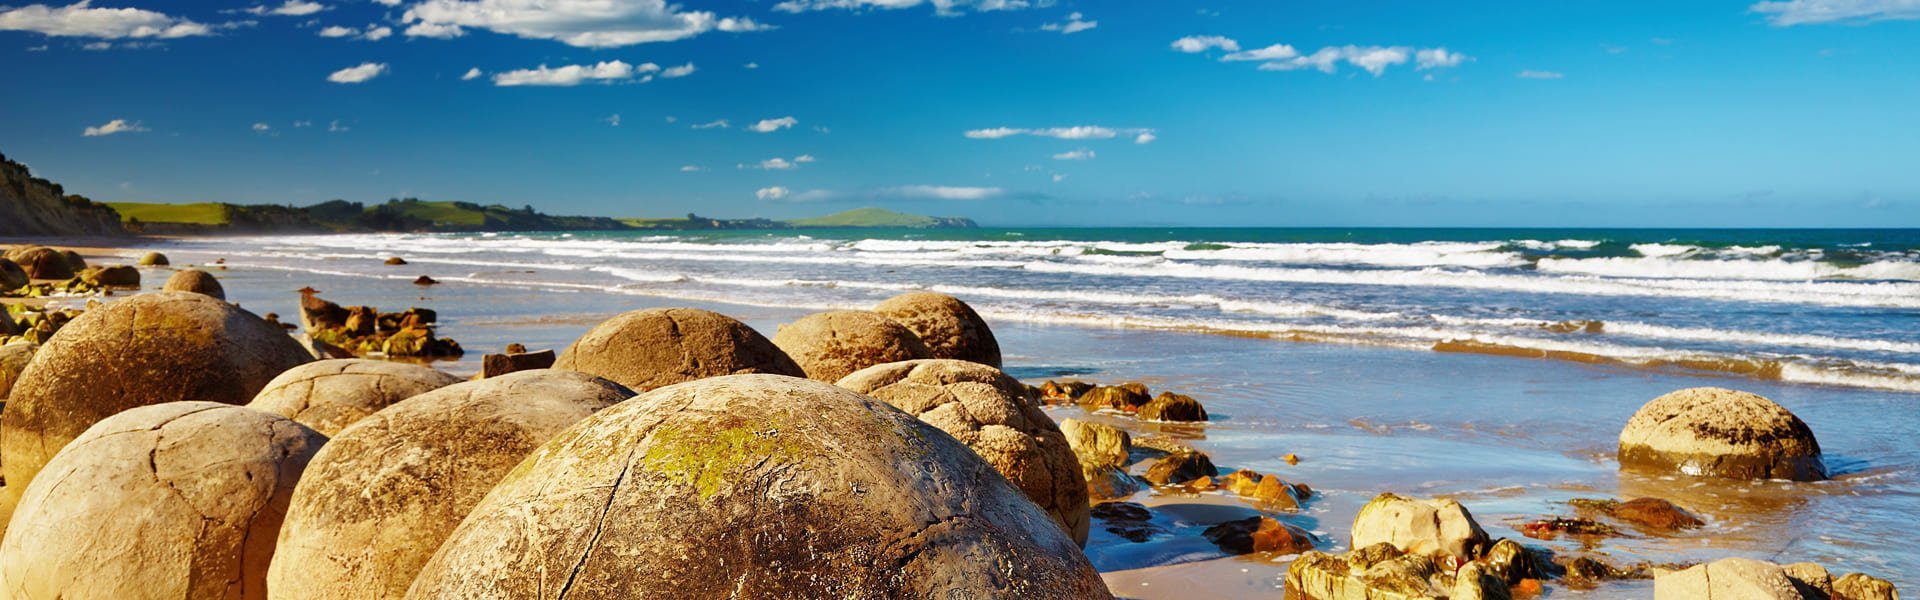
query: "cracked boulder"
949, 327
329, 395
647, 349
42, 262
990, 413
383, 494
756, 486
1424, 527
1717, 432
147, 349
831, 345
175, 500
196, 281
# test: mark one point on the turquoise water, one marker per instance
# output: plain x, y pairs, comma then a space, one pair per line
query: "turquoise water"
1316, 342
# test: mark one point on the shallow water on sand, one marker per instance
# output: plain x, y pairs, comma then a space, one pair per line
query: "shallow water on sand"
1512, 438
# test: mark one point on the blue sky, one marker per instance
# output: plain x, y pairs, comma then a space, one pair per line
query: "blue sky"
1166, 112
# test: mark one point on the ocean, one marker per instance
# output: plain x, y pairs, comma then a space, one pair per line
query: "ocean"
1495, 366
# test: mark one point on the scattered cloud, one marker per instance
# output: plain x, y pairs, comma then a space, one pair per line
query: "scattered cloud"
581, 23
752, 65
941, 192
1437, 58
1532, 74
1059, 177
895, 193
1195, 44
1274, 52
804, 158
472, 74
302, 124
336, 127
113, 127
772, 125
374, 33
714, 124
292, 8
1077, 132
772, 193
571, 75
680, 71
772, 164
691, 169
81, 19
941, 7
1787, 13
1081, 154
39, 48
1075, 24
613, 120
358, 74
262, 127
1145, 137
337, 31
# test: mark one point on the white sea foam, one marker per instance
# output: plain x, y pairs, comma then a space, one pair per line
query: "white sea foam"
1776, 270
1424, 254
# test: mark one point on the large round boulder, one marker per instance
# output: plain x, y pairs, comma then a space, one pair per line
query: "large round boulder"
832, 345
1415, 526
989, 412
12, 277
647, 349
329, 395
756, 486
44, 263
948, 327
74, 260
195, 281
13, 360
1719, 432
154, 259
384, 493
174, 500
147, 349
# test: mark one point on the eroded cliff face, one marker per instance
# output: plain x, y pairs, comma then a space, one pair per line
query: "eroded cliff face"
33, 206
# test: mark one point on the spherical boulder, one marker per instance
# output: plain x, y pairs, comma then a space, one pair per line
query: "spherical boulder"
647, 349
147, 349
1426, 527
74, 260
329, 395
112, 276
383, 494
195, 281
174, 500
832, 345
12, 277
1719, 432
13, 359
989, 412
154, 259
756, 486
44, 263
948, 327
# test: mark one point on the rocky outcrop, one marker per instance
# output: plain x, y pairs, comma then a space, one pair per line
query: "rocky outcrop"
30, 206
1718, 432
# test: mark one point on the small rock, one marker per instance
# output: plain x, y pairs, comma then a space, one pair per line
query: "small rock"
1265, 488
1513, 562
1063, 392
495, 365
1552, 528
1656, 514
1291, 459
114, 276
1860, 586
1173, 407
1181, 466
1102, 451
396, 261
154, 259
1118, 398
1130, 521
1259, 534
425, 280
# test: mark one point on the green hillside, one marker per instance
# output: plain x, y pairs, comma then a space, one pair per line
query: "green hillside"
868, 217
199, 213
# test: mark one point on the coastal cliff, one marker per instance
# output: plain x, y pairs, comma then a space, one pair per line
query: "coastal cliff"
31, 206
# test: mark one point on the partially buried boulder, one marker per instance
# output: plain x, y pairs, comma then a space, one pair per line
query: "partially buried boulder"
12, 277
949, 327
329, 395
756, 486
384, 493
988, 411
1727, 578
147, 349
44, 263
195, 281
154, 259
647, 349
113, 276
175, 500
1426, 527
1169, 406
1181, 466
74, 260
1121, 398
1720, 433
832, 345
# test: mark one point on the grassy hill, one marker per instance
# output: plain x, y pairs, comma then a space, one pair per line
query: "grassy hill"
198, 213
876, 217
339, 215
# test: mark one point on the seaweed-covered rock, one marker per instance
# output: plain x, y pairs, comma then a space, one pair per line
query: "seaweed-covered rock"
756, 486
989, 412
174, 500
949, 327
1718, 432
147, 349
383, 494
1169, 406
1259, 534
329, 395
1416, 526
647, 349
1655, 513
195, 281
154, 259
1119, 398
832, 345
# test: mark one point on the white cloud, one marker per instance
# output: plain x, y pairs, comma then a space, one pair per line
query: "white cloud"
680, 71
1145, 137
1437, 58
336, 127
435, 31
80, 19
714, 124
358, 74
772, 193
570, 75
302, 124
804, 158
262, 127
337, 31
941, 192
1077, 132
1274, 52
1374, 59
1059, 177
1788, 13
113, 127
691, 169
1081, 154
376, 34
614, 120
1532, 74
775, 164
97, 46
1195, 44
752, 65
941, 7
39, 48
472, 74
292, 8
582, 23
1074, 24
772, 125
